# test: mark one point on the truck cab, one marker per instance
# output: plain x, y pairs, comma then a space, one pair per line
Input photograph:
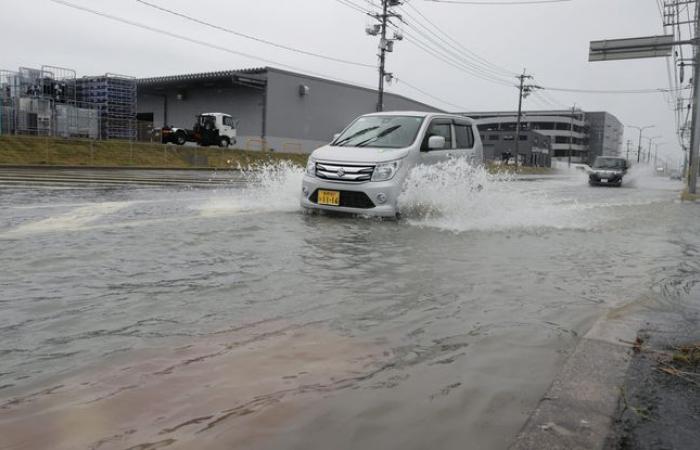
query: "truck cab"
215, 129
209, 129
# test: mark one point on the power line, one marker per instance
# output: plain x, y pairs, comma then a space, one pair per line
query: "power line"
191, 40
401, 80
354, 6
418, 44
484, 61
465, 64
254, 38
499, 3
220, 48
612, 91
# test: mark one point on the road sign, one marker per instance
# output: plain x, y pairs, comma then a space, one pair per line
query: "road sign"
632, 48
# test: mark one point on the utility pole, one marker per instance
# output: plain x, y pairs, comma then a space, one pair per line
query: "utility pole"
385, 45
695, 135
523, 91
658, 46
647, 158
629, 142
571, 138
656, 152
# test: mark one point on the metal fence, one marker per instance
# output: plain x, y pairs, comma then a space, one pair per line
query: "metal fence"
44, 117
51, 101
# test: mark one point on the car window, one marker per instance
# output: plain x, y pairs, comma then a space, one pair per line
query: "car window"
439, 127
464, 135
228, 121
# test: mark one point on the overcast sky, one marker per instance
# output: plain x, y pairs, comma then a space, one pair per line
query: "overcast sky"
550, 40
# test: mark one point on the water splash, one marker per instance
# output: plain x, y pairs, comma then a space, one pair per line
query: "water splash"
457, 196
270, 187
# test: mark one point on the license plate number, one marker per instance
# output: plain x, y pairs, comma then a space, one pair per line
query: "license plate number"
330, 198
604, 180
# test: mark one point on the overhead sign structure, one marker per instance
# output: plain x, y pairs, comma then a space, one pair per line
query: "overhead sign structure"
633, 48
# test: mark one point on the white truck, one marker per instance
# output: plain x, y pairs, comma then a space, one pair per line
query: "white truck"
209, 129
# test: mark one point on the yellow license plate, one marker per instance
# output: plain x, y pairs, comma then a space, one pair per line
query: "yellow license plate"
331, 198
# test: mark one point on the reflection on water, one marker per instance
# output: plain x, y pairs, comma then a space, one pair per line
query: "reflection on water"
228, 319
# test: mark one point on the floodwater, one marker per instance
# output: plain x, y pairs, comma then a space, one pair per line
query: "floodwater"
226, 318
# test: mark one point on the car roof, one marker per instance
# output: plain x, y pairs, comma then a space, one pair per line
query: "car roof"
418, 114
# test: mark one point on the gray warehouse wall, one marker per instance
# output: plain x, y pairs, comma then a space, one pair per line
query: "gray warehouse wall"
299, 123
242, 103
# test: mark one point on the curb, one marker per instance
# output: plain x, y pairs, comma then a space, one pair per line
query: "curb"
578, 409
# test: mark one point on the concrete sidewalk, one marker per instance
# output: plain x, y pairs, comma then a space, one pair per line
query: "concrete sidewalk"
580, 408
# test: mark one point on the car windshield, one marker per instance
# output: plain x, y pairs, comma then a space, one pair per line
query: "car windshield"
380, 131
609, 163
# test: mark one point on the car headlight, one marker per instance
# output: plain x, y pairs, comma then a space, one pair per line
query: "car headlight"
386, 171
311, 167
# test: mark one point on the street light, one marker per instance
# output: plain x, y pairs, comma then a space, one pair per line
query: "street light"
639, 145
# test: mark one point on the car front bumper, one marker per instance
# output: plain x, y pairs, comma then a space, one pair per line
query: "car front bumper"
371, 206
614, 178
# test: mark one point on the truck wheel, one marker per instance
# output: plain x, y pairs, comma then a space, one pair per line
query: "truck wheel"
224, 142
180, 138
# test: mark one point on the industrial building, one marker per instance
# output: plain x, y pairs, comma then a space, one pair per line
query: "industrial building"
53, 101
275, 109
535, 148
583, 135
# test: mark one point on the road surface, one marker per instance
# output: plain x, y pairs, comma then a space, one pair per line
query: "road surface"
179, 317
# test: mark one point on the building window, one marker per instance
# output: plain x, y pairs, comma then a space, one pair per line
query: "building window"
493, 137
523, 137
508, 137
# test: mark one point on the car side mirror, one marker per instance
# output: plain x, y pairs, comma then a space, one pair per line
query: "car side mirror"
436, 142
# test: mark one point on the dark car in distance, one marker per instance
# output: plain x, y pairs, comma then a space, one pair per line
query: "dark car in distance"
607, 171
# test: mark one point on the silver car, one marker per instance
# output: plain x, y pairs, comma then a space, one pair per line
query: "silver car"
363, 170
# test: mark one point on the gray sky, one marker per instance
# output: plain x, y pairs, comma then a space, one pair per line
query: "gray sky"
550, 40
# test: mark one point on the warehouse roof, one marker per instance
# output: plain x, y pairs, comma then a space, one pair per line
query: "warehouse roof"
255, 77
204, 76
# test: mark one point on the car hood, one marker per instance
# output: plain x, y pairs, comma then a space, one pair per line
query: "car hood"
351, 155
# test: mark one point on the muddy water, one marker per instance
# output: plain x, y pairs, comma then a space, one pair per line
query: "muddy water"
163, 318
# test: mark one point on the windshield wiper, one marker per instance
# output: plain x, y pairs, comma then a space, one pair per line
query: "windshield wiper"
384, 133
354, 135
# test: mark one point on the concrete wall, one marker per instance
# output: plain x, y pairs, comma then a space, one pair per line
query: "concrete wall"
243, 103
606, 133
303, 123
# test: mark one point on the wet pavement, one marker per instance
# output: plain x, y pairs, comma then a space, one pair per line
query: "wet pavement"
178, 317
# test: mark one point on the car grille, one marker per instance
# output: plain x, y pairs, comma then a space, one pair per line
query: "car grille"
349, 199
344, 172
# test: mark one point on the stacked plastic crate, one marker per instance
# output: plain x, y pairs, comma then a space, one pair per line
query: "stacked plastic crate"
115, 97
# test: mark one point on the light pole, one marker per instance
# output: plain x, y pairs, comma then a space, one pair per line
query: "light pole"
639, 144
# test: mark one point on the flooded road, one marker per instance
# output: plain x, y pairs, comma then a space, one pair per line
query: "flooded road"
171, 317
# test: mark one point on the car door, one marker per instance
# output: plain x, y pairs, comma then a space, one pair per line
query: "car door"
464, 140
227, 126
438, 127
